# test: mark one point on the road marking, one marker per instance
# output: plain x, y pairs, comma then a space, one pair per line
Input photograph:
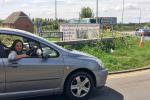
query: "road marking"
129, 74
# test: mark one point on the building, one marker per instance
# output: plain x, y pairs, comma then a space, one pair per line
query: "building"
19, 20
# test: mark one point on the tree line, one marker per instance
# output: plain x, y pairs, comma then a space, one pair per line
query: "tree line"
48, 23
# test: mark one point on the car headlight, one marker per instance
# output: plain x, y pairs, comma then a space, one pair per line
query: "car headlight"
100, 63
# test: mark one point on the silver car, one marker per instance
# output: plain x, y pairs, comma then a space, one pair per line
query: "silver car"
50, 69
140, 32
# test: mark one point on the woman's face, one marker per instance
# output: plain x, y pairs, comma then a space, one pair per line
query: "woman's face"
18, 46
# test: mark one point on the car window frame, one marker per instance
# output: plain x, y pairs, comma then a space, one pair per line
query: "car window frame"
24, 37
22, 41
3, 53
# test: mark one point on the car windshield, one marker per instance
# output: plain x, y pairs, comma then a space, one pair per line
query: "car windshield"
93, 20
78, 21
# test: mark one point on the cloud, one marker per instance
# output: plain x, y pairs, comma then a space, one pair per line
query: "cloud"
104, 10
71, 3
35, 1
75, 11
148, 9
130, 6
34, 6
45, 6
25, 5
118, 8
5, 0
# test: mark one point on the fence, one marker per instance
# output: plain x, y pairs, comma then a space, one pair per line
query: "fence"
73, 42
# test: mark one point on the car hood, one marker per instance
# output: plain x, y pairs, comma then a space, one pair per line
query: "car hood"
76, 53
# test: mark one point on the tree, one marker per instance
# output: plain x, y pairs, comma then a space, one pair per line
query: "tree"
138, 25
86, 12
1, 21
148, 24
37, 19
43, 23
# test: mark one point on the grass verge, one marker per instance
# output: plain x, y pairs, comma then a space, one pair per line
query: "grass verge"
126, 53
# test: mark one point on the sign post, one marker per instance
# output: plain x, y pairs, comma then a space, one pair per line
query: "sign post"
52, 35
108, 21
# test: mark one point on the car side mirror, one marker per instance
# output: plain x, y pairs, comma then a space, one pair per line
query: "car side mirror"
45, 55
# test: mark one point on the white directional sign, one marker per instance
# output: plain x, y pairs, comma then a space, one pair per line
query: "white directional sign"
108, 20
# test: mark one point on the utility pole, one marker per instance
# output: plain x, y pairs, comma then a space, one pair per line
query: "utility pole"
140, 17
96, 11
122, 13
55, 10
79, 17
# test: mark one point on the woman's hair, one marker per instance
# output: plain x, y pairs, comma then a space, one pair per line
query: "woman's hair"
14, 44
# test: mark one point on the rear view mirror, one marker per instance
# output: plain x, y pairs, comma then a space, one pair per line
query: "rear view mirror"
45, 55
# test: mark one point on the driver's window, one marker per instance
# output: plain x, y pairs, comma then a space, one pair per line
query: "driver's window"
51, 52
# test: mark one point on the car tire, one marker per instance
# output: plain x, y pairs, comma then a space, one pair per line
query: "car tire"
79, 86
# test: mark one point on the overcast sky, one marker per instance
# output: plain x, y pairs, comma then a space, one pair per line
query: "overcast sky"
68, 9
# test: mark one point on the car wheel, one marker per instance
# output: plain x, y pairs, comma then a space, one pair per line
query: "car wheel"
79, 86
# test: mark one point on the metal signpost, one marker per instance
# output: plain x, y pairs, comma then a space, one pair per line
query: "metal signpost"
52, 35
107, 21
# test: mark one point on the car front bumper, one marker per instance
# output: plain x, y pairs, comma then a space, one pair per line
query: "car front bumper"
101, 76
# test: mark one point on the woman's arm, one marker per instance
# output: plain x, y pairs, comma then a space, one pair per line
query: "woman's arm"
13, 56
20, 56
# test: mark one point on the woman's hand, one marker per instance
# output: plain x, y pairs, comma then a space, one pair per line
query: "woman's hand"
24, 55
35, 47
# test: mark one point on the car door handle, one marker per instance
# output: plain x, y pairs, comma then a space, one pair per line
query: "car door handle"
14, 65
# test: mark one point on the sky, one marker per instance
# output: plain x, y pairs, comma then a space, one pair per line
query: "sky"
69, 9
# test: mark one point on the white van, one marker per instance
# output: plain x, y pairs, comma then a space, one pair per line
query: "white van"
90, 20
83, 20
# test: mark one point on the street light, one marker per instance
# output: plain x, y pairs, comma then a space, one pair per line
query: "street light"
55, 10
96, 11
140, 17
122, 13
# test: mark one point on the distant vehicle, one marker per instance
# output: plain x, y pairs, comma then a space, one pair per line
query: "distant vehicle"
90, 20
147, 27
78, 21
83, 20
137, 29
140, 32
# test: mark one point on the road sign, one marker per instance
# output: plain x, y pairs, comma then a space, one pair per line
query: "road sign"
107, 25
108, 20
51, 34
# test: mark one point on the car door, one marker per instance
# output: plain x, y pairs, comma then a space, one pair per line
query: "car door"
34, 73
2, 70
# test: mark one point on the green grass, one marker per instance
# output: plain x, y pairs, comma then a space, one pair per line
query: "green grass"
115, 34
127, 53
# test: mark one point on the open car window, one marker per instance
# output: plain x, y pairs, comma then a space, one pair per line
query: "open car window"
8, 40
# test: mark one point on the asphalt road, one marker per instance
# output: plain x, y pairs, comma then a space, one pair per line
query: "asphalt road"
128, 86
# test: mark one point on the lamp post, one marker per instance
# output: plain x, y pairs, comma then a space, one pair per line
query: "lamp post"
96, 11
55, 10
140, 17
122, 13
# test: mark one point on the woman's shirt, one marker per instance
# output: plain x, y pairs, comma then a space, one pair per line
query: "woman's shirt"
12, 55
